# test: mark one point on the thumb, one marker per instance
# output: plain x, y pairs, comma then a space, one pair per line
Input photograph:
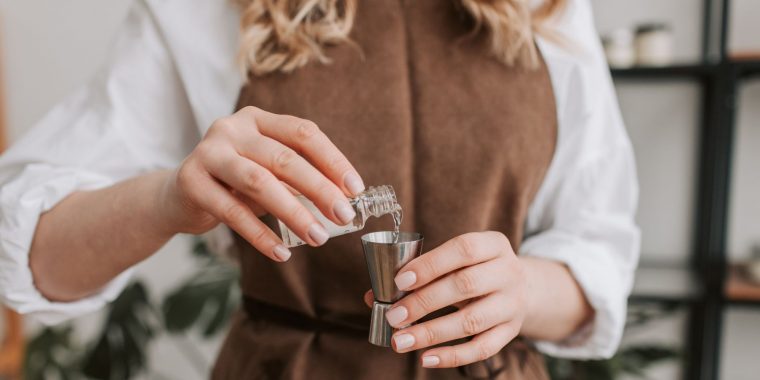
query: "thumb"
369, 298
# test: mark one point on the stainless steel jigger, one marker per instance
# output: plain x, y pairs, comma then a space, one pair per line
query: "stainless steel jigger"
384, 258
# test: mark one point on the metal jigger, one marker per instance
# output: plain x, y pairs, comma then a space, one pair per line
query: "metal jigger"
384, 258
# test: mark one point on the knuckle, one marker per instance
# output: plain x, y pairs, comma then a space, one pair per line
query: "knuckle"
233, 213
338, 163
223, 125
306, 129
429, 267
205, 150
328, 191
284, 158
260, 236
424, 301
501, 239
249, 110
300, 214
473, 323
484, 350
466, 283
464, 247
456, 358
256, 181
429, 335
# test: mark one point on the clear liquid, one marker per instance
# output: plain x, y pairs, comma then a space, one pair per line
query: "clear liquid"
397, 215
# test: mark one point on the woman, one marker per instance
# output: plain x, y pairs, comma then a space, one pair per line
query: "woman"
497, 141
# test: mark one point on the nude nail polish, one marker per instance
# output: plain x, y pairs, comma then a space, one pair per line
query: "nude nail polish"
403, 341
405, 280
281, 252
318, 234
396, 315
353, 183
430, 361
344, 212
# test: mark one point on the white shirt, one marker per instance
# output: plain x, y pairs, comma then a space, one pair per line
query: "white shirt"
172, 72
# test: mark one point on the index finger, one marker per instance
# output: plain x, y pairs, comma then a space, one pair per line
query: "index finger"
459, 252
307, 139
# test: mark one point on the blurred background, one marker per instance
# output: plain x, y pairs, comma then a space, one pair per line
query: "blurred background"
685, 76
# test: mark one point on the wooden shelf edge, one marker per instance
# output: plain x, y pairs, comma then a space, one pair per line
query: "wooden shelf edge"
739, 289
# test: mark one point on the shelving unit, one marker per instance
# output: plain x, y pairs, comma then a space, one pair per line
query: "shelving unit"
683, 71
666, 284
707, 286
739, 290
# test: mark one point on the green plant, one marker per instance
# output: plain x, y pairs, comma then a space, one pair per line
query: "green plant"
204, 301
49, 355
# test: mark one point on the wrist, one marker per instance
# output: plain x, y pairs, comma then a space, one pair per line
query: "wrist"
532, 294
556, 305
168, 220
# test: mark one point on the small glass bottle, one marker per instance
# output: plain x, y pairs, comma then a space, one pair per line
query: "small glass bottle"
375, 201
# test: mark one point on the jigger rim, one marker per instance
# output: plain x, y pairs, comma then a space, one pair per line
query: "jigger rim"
387, 238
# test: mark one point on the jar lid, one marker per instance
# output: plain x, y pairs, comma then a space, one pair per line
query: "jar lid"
652, 27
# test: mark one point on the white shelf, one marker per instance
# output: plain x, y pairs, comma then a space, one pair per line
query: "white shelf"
668, 283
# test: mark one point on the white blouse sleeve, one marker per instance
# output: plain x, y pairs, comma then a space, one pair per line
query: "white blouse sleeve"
583, 214
132, 117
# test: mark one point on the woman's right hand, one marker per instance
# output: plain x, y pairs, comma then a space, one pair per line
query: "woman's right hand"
247, 165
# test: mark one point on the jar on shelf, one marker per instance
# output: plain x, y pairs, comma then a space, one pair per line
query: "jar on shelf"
619, 49
654, 44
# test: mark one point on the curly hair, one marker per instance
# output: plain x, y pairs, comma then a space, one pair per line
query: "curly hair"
283, 35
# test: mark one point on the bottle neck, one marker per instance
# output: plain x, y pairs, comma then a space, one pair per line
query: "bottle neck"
379, 200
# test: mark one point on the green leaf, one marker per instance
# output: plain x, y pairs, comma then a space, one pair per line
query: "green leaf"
182, 308
120, 349
50, 355
206, 300
634, 360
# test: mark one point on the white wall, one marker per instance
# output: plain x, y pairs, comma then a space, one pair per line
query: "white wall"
49, 48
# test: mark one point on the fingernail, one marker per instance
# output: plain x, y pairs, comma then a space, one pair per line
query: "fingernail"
403, 341
344, 212
396, 315
281, 252
318, 234
405, 280
353, 183
430, 361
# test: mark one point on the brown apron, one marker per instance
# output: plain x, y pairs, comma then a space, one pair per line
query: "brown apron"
464, 140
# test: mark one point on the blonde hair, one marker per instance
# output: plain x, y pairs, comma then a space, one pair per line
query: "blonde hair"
283, 35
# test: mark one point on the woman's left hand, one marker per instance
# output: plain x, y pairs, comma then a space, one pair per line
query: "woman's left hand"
481, 275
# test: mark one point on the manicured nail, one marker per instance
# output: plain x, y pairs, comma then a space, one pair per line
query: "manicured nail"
281, 252
396, 315
344, 212
318, 234
403, 341
430, 361
405, 280
353, 183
